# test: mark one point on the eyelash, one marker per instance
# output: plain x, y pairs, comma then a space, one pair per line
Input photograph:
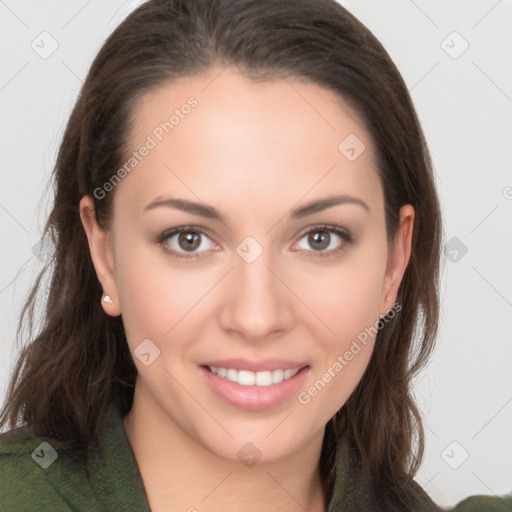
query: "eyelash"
343, 234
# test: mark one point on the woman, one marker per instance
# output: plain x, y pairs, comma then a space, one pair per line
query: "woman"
247, 238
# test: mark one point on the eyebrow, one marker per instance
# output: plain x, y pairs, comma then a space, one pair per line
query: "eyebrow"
210, 212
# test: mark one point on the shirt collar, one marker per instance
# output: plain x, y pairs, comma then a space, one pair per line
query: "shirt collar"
114, 474
111, 479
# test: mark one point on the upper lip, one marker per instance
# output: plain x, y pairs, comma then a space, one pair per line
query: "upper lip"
255, 366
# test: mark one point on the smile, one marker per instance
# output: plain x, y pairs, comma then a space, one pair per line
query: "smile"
247, 378
265, 385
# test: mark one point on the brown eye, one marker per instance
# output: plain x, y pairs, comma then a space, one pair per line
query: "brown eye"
319, 240
189, 240
183, 242
325, 241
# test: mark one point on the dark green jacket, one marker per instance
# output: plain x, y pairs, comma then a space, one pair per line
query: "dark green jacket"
32, 479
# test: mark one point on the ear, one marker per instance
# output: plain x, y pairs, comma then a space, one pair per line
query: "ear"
399, 254
101, 254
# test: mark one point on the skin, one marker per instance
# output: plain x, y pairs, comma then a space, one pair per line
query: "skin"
254, 152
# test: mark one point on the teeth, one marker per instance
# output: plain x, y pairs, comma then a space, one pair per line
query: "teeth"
288, 374
277, 376
248, 378
263, 378
231, 375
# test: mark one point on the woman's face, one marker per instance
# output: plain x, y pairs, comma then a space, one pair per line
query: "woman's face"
266, 282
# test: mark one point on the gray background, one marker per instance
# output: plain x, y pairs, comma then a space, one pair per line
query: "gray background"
464, 103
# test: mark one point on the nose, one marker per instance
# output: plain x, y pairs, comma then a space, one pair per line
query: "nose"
257, 305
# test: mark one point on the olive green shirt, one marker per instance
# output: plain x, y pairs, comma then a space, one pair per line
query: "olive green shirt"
34, 477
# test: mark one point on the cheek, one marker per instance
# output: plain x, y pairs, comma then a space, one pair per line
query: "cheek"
349, 297
347, 301
154, 295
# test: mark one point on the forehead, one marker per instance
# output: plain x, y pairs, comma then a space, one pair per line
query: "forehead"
248, 139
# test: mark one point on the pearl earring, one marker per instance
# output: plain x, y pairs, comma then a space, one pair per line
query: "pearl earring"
107, 299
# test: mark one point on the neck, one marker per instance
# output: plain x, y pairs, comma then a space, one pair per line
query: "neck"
180, 474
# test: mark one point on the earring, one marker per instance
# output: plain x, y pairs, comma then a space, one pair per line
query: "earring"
107, 299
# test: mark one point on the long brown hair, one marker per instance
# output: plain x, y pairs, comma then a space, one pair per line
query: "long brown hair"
78, 363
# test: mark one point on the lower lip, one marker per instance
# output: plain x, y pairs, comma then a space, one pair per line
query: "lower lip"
254, 398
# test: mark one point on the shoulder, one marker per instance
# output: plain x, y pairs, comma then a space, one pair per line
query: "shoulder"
484, 504
29, 478
354, 494
23, 484
471, 504
46, 474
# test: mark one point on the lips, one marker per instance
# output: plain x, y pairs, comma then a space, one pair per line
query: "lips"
254, 385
